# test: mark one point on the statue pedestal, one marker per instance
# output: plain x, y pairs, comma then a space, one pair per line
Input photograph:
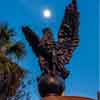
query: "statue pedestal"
65, 98
49, 84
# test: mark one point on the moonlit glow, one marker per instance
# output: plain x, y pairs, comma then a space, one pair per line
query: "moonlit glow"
47, 13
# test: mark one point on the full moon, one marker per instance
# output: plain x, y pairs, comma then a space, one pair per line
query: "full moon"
47, 13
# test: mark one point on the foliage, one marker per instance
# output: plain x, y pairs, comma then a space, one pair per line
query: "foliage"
10, 73
23, 93
7, 46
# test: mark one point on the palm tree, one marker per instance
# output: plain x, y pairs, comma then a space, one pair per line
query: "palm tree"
10, 73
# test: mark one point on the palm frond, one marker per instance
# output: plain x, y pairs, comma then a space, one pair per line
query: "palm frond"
5, 32
17, 49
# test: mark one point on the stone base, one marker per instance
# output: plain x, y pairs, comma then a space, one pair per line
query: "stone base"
65, 98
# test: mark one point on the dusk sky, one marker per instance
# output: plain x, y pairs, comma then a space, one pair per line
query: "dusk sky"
84, 77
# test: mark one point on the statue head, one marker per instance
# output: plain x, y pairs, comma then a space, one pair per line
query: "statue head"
46, 30
48, 35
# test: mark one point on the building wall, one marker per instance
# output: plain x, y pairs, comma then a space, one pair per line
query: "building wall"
65, 98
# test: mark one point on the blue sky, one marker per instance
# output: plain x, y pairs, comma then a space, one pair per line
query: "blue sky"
84, 80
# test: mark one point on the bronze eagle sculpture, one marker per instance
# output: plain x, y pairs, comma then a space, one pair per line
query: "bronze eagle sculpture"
53, 55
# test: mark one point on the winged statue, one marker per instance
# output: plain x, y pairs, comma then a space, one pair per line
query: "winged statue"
53, 55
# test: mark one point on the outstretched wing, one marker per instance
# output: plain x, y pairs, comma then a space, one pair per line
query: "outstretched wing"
32, 39
68, 38
34, 42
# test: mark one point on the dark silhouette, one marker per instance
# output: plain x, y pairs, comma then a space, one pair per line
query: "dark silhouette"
53, 55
